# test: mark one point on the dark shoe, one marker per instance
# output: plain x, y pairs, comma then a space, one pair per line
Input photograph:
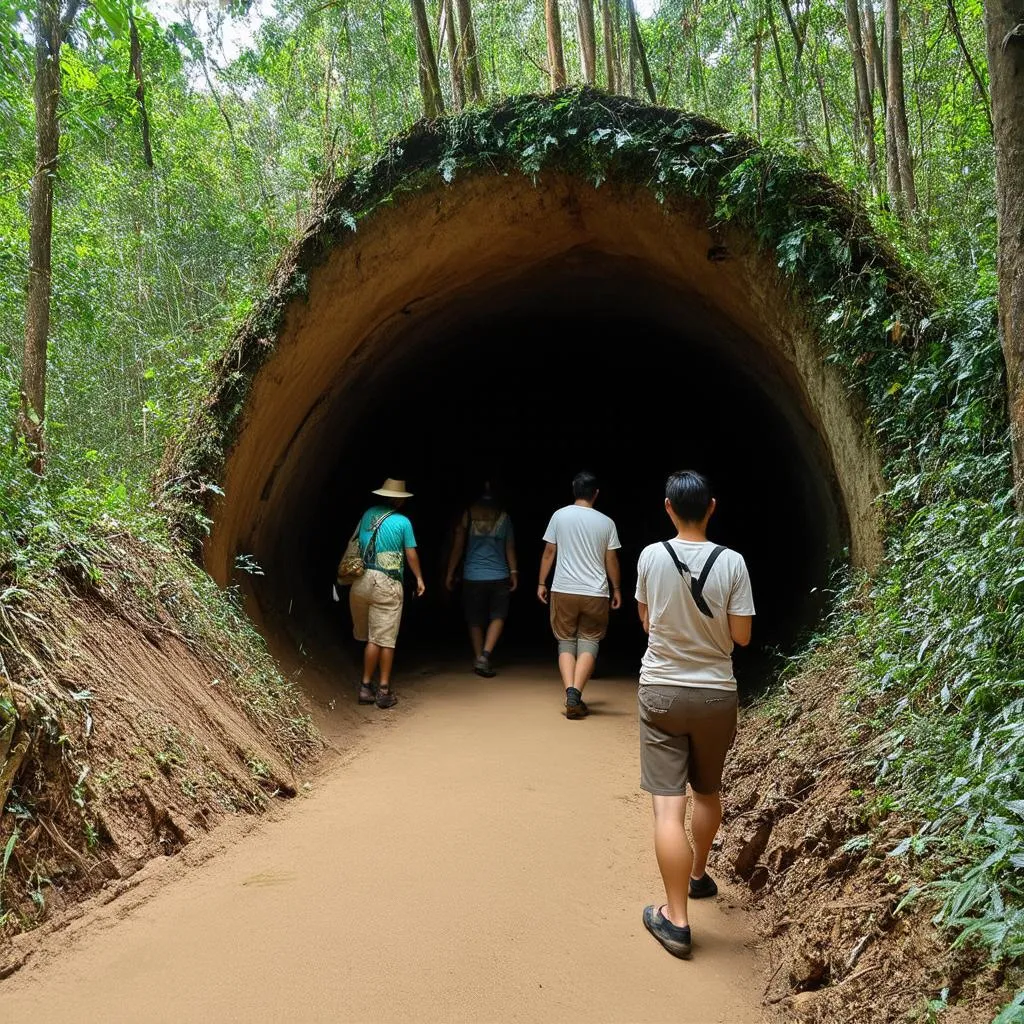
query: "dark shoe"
386, 699
366, 694
675, 940
703, 887
574, 706
482, 667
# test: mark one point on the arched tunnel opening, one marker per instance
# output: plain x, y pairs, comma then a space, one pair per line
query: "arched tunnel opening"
583, 362
501, 329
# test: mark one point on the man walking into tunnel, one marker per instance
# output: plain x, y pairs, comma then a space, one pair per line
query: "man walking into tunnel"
386, 543
695, 603
586, 545
490, 573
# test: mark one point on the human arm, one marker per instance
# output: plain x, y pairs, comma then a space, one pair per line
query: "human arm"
413, 558
611, 565
547, 560
645, 618
740, 627
458, 546
741, 606
510, 557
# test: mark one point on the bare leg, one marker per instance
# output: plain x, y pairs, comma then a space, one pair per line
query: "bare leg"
476, 636
675, 857
371, 656
704, 823
493, 634
585, 664
387, 660
567, 667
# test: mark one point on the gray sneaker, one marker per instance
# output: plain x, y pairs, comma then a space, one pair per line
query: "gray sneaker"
674, 939
482, 667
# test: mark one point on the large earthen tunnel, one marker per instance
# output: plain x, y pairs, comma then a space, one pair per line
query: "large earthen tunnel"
527, 327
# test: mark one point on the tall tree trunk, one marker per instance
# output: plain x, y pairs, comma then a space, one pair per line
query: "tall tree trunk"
954, 20
468, 51
638, 51
588, 40
450, 33
608, 32
862, 82
430, 83
900, 173
755, 79
140, 86
556, 56
1004, 23
873, 52
50, 29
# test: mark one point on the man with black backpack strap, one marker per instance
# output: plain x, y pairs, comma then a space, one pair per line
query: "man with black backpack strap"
695, 603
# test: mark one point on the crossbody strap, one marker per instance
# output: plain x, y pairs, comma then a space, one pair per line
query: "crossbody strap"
372, 542
696, 586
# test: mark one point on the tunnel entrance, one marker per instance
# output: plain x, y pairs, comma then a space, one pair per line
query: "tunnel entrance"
583, 363
498, 326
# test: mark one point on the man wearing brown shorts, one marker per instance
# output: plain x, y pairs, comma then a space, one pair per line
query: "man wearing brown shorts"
695, 603
586, 543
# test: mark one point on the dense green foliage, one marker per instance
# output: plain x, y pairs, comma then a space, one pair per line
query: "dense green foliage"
154, 268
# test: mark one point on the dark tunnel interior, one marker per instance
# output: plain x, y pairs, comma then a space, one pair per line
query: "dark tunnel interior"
528, 397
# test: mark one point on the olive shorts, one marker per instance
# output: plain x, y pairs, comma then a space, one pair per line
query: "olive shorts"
578, 616
685, 733
375, 601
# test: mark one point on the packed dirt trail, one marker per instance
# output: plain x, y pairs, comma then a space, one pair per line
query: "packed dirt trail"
480, 858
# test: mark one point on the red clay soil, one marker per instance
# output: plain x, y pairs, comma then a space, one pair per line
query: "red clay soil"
839, 950
475, 858
157, 747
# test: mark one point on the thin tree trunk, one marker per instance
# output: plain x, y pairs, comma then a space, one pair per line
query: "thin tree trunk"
954, 20
468, 52
755, 80
430, 84
50, 29
638, 51
588, 40
140, 87
556, 56
1004, 23
897, 134
454, 63
873, 52
865, 105
779, 60
608, 31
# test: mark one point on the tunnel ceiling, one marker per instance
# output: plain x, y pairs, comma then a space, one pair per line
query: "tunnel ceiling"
543, 206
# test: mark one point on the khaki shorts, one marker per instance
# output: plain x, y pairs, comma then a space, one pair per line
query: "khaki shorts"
579, 617
685, 733
376, 604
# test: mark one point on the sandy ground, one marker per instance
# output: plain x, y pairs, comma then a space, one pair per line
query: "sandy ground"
479, 858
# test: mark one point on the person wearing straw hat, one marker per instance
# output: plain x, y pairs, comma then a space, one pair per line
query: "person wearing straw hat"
386, 543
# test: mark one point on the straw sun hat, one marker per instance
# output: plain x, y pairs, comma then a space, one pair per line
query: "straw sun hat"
393, 489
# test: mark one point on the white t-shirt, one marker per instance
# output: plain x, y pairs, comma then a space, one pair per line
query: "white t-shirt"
583, 537
685, 647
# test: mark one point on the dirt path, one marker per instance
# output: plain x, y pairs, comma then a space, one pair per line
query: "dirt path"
481, 859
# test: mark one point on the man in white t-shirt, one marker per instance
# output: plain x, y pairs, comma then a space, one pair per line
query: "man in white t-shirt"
695, 603
586, 544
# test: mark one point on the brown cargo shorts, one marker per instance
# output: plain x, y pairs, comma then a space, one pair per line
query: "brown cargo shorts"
685, 733
375, 601
579, 617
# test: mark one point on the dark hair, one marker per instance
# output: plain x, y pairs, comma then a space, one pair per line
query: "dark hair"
689, 494
584, 485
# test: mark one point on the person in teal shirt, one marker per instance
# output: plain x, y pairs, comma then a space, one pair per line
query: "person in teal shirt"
386, 544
